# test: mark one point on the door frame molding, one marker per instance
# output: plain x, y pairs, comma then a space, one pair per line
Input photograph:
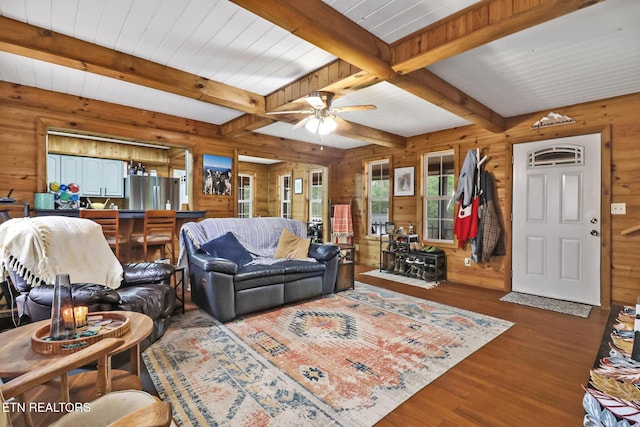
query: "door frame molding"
605, 199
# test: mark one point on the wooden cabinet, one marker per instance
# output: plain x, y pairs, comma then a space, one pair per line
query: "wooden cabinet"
96, 177
71, 170
102, 177
346, 268
53, 168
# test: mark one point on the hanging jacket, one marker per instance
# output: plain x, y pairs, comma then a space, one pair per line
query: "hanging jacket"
489, 241
467, 180
465, 226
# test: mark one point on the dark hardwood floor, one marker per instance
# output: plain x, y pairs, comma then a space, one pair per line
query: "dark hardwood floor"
531, 375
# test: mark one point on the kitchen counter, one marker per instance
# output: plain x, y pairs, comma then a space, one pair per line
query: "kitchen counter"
124, 213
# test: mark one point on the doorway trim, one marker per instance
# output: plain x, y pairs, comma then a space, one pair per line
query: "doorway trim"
605, 201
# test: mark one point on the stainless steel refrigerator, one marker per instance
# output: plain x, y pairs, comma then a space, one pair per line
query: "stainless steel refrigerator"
151, 192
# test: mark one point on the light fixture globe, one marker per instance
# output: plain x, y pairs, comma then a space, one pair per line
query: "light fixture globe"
321, 125
313, 125
327, 125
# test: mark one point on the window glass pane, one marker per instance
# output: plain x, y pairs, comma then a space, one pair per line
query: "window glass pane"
244, 196
315, 196
438, 199
433, 185
285, 196
379, 196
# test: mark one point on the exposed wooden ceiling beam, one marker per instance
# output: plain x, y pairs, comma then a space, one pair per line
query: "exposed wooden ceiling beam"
37, 43
479, 24
326, 28
339, 77
427, 85
272, 147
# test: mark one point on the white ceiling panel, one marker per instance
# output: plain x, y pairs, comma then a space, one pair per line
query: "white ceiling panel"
213, 39
391, 20
79, 83
398, 111
591, 54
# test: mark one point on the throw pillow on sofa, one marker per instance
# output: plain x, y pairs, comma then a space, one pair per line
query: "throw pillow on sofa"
291, 246
228, 247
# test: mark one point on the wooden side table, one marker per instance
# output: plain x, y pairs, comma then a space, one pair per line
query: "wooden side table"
17, 358
346, 268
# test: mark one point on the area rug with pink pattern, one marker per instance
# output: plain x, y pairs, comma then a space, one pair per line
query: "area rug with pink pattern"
346, 359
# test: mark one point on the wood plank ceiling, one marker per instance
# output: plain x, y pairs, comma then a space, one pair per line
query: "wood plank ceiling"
427, 65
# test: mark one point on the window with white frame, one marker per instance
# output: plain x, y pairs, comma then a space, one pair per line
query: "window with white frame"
315, 196
439, 190
379, 195
285, 196
245, 196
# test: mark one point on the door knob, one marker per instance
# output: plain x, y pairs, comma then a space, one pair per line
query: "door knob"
594, 232
594, 220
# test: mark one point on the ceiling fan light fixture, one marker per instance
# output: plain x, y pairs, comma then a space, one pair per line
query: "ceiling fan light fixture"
313, 125
327, 125
321, 125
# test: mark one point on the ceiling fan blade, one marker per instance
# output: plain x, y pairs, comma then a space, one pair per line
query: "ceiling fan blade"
342, 123
316, 102
354, 108
307, 111
302, 122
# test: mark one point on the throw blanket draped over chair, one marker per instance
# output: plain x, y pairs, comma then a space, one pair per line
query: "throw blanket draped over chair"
40, 248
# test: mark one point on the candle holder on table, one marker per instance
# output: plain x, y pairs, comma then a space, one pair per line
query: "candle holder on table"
63, 323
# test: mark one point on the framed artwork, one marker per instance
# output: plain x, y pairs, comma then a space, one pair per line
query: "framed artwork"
403, 181
216, 175
297, 186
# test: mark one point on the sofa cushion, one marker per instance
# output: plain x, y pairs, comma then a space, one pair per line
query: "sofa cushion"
256, 275
83, 294
228, 247
147, 272
291, 246
297, 270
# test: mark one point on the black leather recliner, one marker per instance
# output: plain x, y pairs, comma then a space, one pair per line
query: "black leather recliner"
145, 288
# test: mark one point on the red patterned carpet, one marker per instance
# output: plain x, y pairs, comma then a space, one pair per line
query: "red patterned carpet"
347, 359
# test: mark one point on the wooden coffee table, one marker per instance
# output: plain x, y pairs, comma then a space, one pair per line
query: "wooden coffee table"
17, 358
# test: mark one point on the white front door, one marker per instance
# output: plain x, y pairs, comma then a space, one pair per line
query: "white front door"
556, 218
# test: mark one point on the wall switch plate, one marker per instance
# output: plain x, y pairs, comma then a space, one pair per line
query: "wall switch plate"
618, 208
467, 262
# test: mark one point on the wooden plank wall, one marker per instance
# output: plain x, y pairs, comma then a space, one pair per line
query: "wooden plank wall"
152, 158
299, 202
617, 116
25, 113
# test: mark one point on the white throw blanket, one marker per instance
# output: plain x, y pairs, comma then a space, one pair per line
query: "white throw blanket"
40, 248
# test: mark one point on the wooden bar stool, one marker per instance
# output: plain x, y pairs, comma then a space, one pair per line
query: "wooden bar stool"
159, 230
109, 220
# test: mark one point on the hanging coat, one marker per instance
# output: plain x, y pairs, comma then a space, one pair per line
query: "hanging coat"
465, 227
489, 240
467, 180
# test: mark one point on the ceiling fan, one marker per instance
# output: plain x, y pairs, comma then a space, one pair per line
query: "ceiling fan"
322, 118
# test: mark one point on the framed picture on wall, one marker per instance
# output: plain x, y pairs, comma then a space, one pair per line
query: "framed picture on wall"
216, 175
297, 186
403, 181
